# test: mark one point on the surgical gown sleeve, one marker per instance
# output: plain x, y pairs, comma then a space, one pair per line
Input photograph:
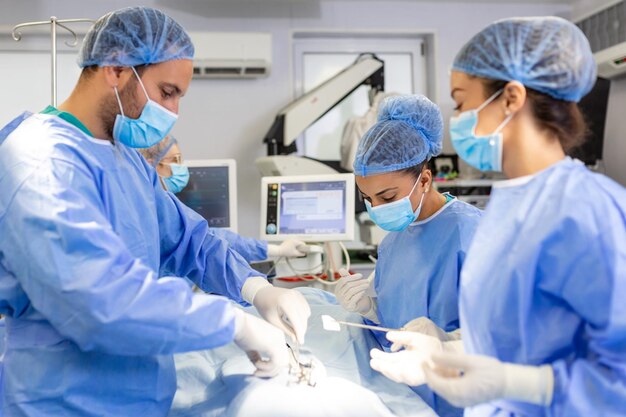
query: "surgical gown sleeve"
596, 291
190, 249
80, 276
250, 249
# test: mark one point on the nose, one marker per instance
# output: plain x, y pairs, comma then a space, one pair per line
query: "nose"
173, 107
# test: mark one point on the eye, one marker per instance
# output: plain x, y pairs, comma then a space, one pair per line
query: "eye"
388, 199
458, 107
166, 93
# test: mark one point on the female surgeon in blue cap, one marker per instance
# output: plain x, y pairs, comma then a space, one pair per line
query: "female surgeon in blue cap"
419, 261
543, 287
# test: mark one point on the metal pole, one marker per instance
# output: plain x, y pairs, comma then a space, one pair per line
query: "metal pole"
53, 22
53, 29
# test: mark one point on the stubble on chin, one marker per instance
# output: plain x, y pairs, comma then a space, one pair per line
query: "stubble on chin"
109, 108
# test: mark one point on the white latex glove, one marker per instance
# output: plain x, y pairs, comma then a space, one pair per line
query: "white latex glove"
405, 366
263, 343
351, 292
466, 380
288, 249
408, 340
426, 326
286, 309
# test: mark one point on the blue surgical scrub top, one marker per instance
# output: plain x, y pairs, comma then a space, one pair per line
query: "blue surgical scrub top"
86, 231
417, 275
545, 283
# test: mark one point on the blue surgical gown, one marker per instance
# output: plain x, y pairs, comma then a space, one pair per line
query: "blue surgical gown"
250, 249
86, 229
417, 274
545, 283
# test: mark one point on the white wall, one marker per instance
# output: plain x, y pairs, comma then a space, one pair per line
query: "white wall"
228, 118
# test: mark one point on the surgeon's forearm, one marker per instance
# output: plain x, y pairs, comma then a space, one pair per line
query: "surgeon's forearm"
138, 315
250, 249
223, 271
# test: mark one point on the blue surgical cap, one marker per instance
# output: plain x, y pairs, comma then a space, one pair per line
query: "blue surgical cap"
156, 153
547, 54
134, 36
407, 133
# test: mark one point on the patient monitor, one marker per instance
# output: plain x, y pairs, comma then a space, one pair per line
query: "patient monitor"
212, 191
311, 208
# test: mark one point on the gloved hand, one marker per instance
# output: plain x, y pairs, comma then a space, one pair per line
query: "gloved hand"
467, 380
286, 309
288, 249
426, 326
351, 292
409, 340
405, 366
263, 343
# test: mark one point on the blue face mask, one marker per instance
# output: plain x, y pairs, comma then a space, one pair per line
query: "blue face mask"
481, 152
178, 180
154, 123
398, 215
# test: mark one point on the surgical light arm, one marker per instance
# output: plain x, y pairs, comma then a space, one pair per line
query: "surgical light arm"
302, 113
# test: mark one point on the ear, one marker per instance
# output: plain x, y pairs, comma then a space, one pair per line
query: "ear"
514, 97
115, 76
426, 180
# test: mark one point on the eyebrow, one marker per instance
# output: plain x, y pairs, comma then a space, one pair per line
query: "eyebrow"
454, 90
386, 190
176, 89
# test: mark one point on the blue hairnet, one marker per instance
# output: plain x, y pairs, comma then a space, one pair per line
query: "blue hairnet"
134, 36
547, 54
408, 132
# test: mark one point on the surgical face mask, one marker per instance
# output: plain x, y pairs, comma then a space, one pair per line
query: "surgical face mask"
178, 180
150, 128
398, 215
481, 152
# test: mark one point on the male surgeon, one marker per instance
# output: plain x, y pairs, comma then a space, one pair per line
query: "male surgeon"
86, 229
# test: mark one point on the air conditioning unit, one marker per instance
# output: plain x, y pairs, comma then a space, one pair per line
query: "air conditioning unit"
231, 54
606, 30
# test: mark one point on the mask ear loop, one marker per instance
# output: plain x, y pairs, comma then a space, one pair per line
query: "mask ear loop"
504, 122
141, 83
119, 102
415, 185
421, 199
489, 100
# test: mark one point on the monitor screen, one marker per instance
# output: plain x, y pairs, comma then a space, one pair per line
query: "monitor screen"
319, 208
210, 193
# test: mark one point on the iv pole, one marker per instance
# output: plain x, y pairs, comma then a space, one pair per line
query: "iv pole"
53, 22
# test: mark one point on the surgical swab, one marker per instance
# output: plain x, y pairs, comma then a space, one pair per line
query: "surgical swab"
331, 324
